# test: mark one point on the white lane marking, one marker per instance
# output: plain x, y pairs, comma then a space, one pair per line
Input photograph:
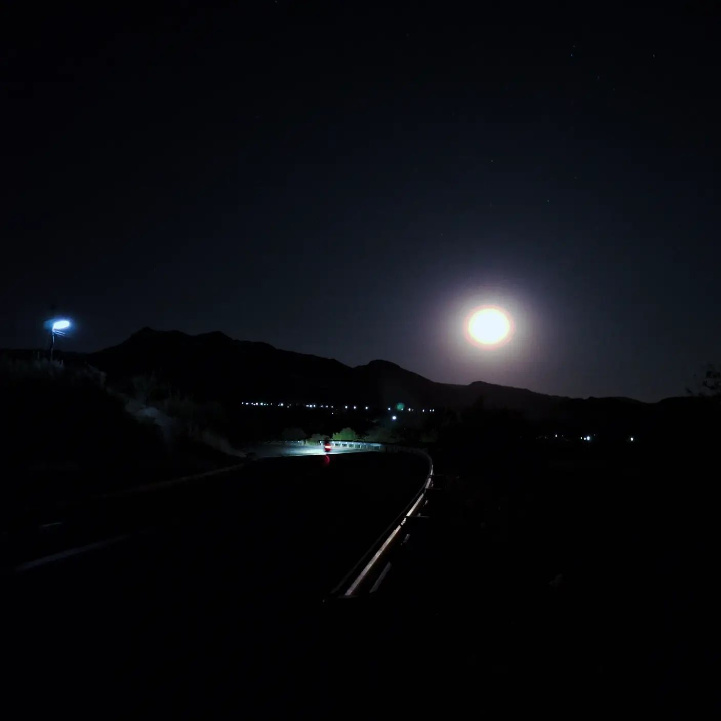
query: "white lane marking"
173, 481
96, 546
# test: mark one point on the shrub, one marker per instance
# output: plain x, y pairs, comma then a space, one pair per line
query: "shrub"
293, 434
347, 434
52, 414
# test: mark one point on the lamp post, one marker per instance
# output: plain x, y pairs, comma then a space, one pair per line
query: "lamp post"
57, 327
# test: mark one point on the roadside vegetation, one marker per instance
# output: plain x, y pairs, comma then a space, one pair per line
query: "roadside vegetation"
68, 435
56, 416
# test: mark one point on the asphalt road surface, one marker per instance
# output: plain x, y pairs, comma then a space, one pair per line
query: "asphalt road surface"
213, 606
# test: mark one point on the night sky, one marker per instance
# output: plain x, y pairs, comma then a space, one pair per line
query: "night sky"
350, 179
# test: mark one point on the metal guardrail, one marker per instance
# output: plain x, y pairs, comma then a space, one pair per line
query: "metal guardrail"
336, 444
361, 445
357, 444
369, 572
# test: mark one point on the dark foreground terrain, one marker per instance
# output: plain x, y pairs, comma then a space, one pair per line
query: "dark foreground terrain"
214, 606
576, 585
565, 582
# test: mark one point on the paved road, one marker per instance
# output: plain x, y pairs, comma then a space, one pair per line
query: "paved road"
213, 608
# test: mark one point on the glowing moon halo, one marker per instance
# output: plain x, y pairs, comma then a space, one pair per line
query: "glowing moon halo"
489, 326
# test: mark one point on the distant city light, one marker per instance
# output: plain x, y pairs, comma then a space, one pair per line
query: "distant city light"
393, 418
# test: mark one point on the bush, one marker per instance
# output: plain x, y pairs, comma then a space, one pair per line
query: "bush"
193, 416
347, 434
293, 434
382, 434
53, 415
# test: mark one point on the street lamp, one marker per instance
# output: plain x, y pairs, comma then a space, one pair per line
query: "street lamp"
58, 326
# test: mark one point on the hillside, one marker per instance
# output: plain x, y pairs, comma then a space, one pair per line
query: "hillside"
213, 366
215, 370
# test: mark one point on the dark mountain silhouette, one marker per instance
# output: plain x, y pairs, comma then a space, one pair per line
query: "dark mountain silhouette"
213, 366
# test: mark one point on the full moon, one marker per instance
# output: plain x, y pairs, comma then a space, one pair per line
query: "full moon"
489, 326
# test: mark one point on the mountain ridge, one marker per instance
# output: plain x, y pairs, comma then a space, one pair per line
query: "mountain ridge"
213, 364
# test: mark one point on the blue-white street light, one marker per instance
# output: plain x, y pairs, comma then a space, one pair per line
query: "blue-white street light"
58, 326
